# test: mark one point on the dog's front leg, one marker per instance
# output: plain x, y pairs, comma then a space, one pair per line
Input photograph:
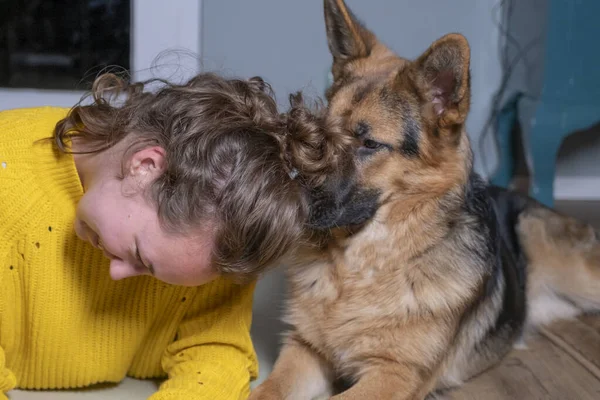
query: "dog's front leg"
299, 374
388, 383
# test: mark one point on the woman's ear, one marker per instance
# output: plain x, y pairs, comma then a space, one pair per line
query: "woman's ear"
147, 165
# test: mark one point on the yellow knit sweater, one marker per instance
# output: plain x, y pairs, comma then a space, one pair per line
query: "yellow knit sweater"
65, 324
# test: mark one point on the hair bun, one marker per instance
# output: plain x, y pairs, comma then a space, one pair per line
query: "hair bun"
314, 144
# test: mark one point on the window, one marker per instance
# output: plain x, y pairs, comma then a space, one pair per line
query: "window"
127, 34
62, 44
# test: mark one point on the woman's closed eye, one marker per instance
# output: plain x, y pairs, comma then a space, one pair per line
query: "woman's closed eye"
141, 261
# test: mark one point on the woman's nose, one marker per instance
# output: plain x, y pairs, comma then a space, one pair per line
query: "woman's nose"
120, 269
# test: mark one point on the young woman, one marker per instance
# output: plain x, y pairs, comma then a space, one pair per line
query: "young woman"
190, 184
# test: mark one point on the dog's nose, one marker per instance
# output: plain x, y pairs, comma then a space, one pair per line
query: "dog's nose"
324, 210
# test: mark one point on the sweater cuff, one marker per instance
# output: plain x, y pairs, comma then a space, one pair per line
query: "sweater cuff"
226, 378
7, 378
7, 381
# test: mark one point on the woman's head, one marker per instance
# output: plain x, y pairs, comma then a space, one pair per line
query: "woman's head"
195, 180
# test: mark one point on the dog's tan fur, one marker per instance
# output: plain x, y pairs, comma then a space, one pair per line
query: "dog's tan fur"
395, 305
564, 266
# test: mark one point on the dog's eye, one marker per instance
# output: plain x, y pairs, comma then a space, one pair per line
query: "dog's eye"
371, 144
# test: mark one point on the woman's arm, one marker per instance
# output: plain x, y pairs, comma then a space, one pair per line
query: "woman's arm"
212, 356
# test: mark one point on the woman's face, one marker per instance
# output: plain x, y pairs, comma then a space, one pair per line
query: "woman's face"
115, 216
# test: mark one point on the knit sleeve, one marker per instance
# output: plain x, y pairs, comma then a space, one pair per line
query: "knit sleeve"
7, 378
213, 356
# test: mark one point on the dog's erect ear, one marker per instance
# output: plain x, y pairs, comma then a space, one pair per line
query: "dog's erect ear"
442, 76
346, 37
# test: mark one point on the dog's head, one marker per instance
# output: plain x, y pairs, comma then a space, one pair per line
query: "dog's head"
408, 117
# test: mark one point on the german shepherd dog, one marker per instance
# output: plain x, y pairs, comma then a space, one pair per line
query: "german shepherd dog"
428, 275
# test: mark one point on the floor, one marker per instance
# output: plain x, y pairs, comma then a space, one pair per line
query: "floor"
128, 389
562, 362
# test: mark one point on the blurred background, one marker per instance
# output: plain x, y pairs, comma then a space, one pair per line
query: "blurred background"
535, 75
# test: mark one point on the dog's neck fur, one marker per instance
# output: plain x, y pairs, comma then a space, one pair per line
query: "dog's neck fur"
417, 220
